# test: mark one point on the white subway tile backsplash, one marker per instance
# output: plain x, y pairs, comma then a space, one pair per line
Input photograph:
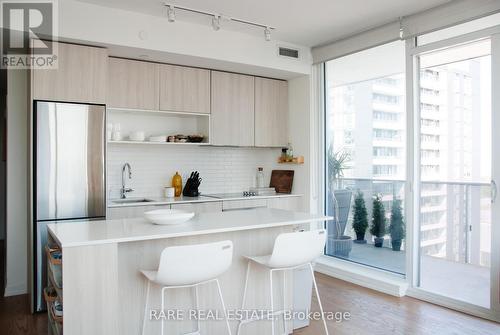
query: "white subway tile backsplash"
224, 170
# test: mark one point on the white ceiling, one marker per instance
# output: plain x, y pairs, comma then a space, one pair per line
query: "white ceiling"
307, 23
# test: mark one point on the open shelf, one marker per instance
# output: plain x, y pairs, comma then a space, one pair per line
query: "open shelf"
158, 143
156, 123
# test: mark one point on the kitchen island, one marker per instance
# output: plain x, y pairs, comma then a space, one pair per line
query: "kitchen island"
104, 292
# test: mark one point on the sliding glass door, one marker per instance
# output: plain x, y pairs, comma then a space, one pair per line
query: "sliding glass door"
456, 140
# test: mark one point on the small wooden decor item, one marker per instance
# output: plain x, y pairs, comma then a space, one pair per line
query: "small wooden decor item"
282, 181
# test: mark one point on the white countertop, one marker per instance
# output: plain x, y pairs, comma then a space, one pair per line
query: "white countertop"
156, 201
81, 233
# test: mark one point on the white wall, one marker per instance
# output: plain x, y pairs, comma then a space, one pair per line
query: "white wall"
17, 184
299, 134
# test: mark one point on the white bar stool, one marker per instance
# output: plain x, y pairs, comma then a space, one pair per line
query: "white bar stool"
291, 251
190, 266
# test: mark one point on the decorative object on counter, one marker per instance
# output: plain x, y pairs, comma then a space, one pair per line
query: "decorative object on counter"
169, 192
360, 218
260, 177
158, 138
192, 184
117, 134
289, 151
177, 184
168, 216
171, 138
282, 181
397, 225
138, 136
377, 228
196, 138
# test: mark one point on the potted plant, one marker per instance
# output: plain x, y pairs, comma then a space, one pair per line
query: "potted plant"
339, 203
397, 225
360, 218
377, 228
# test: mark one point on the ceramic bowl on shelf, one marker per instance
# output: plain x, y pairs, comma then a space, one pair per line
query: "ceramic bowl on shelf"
168, 216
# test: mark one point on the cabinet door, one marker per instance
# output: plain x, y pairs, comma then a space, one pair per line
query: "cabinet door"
243, 204
287, 203
133, 84
232, 109
271, 112
80, 75
201, 207
184, 89
130, 212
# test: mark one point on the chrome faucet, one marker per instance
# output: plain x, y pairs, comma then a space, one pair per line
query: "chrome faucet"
123, 190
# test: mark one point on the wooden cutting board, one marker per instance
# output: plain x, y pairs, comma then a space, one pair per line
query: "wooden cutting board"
282, 180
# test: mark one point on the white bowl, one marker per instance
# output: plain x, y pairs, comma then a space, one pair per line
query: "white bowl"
137, 136
168, 216
159, 138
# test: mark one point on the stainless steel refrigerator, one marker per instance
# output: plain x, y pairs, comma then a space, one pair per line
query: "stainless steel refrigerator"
68, 173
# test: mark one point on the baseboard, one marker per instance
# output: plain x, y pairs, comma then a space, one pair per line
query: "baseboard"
18, 289
362, 275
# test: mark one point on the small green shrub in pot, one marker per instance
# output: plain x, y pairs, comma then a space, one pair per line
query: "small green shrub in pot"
360, 218
377, 228
397, 225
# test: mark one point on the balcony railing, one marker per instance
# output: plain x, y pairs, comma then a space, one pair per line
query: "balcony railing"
455, 221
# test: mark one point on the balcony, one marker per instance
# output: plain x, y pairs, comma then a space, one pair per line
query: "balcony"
454, 236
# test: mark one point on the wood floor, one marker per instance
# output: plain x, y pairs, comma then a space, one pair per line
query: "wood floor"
372, 313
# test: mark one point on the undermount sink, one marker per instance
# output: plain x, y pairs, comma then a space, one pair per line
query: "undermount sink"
131, 201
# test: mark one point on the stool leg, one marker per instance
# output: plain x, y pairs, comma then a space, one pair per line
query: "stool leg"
319, 299
244, 297
163, 307
197, 308
223, 306
272, 300
146, 309
284, 302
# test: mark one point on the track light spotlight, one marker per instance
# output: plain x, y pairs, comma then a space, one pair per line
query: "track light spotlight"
216, 22
267, 34
171, 13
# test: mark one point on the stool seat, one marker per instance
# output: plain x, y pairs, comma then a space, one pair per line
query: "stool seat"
190, 266
291, 251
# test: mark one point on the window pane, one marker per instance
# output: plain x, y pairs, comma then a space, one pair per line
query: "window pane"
366, 151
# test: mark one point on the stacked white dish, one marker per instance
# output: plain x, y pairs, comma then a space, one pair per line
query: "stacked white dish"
168, 216
159, 138
137, 136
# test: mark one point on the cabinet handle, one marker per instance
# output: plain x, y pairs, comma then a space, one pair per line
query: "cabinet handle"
494, 191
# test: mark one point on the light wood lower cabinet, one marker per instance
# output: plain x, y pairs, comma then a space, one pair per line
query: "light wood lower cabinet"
80, 75
271, 112
133, 84
243, 204
201, 207
184, 89
131, 212
232, 109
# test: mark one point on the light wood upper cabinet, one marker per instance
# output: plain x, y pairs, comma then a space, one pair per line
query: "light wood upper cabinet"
79, 77
271, 112
133, 84
184, 89
232, 109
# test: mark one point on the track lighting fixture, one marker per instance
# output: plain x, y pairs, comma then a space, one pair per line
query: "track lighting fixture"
216, 22
171, 13
216, 19
267, 34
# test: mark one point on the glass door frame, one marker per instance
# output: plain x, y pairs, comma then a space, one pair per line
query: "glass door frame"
413, 172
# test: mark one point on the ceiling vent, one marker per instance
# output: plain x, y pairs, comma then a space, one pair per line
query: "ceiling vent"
288, 52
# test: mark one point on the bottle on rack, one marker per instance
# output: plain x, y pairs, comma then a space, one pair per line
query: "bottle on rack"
177, 184
260, 177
